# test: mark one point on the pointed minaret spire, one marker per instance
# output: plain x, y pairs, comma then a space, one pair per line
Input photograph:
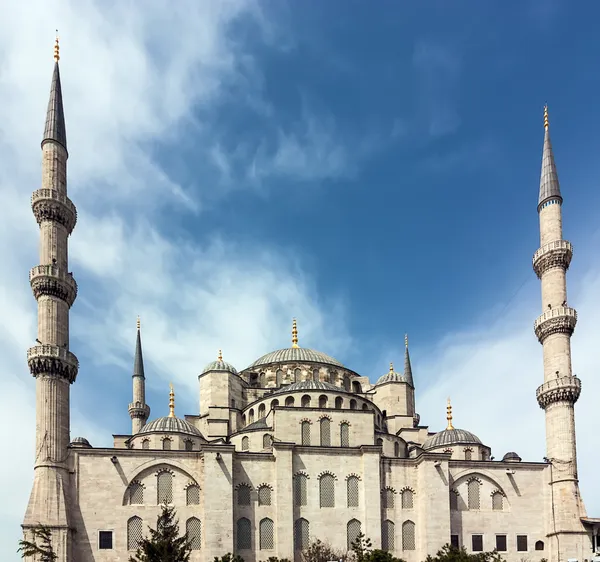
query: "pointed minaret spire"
138, 362
171, 401
294, 334
449, 415
549, 186
55, 129
139, 411
407, 367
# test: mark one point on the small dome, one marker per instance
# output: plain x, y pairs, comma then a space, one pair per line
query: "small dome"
451, 437
220, 365
170, 425
511, 457
308, 385
81, 442
393, 376
295, 355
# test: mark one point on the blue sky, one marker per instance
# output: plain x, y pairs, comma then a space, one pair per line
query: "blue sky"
369, 168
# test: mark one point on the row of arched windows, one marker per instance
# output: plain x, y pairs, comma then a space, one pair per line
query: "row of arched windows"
397, 448
244, 494
474, 497
164, 491
267, 442
388, 498
281, 378
325, 433
167, 444
388, 535
327, 494
266, 534
135, 526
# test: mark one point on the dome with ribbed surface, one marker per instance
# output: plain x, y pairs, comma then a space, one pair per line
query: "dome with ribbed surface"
393, 376
219, 365
80, 442
308, 385
511, 457
451, 437
295, 355
170, 425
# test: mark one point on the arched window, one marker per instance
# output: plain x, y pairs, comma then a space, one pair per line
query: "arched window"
274, 403
297, 375
347, 383
352, 491
261, 411
192, 495
453, 500
473, 488
262, 380
266, 534
356, 387
497, 501
289, 401
135, 493
251, 416
243, 494
189, 445
387, 498
266, 441
327, 491
166, 444
353, 404
325, 428
300, 486
305, 429
264, 495
407, 499
244, 534
396, 449
301, 534
365, 406
322, 401
134, 532
380, 442
468, 454
408, 535
539, 545
345, 434
305, 402
146, 444
339, 402
387, 535
316, 378
164, 488
279, 377
244, 420
193, 530
352, 532
245, 443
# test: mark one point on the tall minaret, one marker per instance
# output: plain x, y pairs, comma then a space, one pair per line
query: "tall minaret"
561, 389
138, 409
50, 361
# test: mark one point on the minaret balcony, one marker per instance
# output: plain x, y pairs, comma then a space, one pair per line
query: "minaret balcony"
139, 410
559, 320
50, 205
561, 389
52, 360
50, 280
557, 253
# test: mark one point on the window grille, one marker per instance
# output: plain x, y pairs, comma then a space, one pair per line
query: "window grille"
325, 432
266, 532
166, 444
297, 375
501, 543
316, 377
327, 491
322, 401
243, 494
189, 445
164, 488
306, 401
136, 493
468, 454
134, 533
339, 403
264, 495
522, 543
301, 534
352, 532
352, 490
279, 377
266, 441
473, 494
305, 433
193, 530
408, 535
453, 500
387, 498
497, 501
244, 534
300, 485
387, 535
396, 449
245, 443
345, 434
146, 444
192, 495
477, 543
407, 499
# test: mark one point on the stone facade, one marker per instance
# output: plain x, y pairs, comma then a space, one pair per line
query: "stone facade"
297, 446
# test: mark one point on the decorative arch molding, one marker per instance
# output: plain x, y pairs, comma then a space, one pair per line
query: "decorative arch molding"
497, 491
325, 416
265, 485
345, 422
353, 475
448, 450
475, 479
125, 499
152, 465
388, 488
480, 475
302, 473
408, 488
190, 484
166, 438
139, 482
244, 484
454, 491
305, 420
165, 469
327, 472
468, 449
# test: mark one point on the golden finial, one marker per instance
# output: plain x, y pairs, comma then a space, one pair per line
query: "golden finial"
220, 358
406, 340
391, 367
449, 415
56, 48
546, 117
294, 334
171, 401
139, 324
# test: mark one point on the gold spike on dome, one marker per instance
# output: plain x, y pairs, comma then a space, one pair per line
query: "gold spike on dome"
449, 415
546, 122
138, 323
56, 48
220, 358
294, 334
171, 401
391, 367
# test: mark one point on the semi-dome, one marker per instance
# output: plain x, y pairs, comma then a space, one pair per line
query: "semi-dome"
308, 385
81, 442
219, 365
393, 376
170, 424
451, 437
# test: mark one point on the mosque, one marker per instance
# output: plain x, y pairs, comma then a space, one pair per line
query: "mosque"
297, 446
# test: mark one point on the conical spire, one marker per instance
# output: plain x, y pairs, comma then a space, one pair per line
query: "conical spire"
138, 363
549, 186
55, 116
407, 367
449, 415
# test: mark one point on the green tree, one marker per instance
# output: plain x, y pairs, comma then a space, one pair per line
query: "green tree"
42, 549
320, 551
229, 558
450, 553
164, 543
363, 551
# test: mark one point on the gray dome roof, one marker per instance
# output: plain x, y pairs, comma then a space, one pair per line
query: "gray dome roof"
295, 354
308, 385
393, 376
451, 437
80, 442
219, 365
511, 457
170, 425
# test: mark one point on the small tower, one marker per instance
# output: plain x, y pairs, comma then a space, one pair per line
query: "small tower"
50, 361
139, 411
557, 396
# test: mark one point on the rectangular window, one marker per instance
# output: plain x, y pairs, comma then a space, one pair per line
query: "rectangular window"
454, 541
105, 540
477, 543
501, 543
522, 543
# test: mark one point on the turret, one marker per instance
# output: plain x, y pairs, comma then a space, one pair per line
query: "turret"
139, 411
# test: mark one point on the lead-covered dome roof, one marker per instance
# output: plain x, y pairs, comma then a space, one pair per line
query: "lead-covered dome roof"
220, 365
394, 376
451, 437
308, 385
168, 424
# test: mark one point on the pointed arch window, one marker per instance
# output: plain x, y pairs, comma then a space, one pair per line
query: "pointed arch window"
468, 454
266, 441
189, 445
301, 534
408, 535
135, 493
166, 444
193, 530
244, 534
497, 501
474, 493
327, 491
279, 377
146, 444
300, 487
261, 411
266, 534
325, 428
305, 402
352, 491
243, 494
134, 532
352, 532
339, 402
407, 499
164, 488
192, 495
305, 430
264, 495
387, 535
245, 443
345, 434
297, 375
322, 401
387, 498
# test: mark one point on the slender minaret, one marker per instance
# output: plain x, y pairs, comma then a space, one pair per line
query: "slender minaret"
561, 389
50, 361
139, 411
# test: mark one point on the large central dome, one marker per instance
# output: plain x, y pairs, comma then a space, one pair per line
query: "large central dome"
293, 355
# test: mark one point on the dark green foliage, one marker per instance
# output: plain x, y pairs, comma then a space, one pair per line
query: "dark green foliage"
364, 552
41, 546
319, 551
274, 559
450, 553
164, 544
231, 558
